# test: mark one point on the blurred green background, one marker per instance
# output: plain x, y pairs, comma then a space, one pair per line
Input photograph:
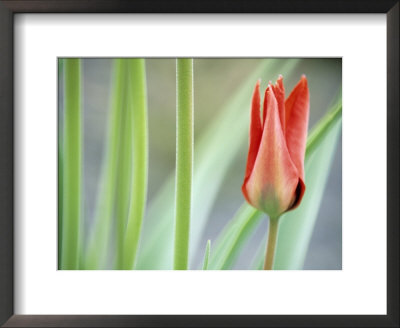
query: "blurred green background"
215, 81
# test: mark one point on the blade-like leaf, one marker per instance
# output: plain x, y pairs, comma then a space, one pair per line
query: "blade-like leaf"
138, 100
234, 236
60, 162
72, 165
99, 239
296, 227
124, 172
319, 131
206, 255
258, 261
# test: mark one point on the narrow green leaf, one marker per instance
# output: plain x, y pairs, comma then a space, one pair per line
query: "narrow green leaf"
258, 261
319, 132
296, 227
207, 255
72, 165
99, 239
124, 172
60, 167
60, 204
233, 237
138, 98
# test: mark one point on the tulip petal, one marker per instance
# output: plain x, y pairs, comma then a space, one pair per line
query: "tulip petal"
274, 179
255, 130
299, 193
297, 108
279, 92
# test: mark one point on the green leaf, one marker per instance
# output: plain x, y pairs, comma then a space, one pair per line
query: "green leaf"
137, 96
72, 165
258, 261
99, 240
296, 227
124, 171
319, 132
156, 250
60, 165
233, 237
206, 255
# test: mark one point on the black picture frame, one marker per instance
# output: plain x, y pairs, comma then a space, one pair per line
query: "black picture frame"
7, 11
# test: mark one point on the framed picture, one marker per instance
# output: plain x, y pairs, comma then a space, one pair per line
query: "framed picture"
157, 157
234, 229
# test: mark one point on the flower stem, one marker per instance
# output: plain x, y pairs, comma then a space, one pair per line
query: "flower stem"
72, 169
271, 243
137, 90
184, 161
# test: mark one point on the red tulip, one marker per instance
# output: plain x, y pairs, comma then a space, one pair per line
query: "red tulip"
274, 179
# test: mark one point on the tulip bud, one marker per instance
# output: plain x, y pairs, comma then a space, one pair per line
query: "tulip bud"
274, 178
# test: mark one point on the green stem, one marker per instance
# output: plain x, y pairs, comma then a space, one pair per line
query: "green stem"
72, 167
184, 161
271, 243
137, 82
124, 171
